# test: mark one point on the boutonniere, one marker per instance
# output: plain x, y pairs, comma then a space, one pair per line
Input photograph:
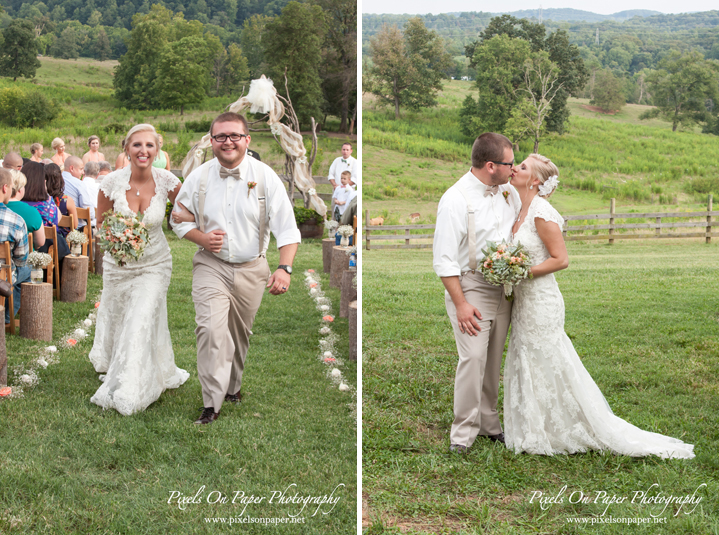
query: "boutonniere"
505, 194
250, 187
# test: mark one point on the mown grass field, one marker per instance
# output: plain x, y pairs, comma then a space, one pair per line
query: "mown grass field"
67, 466
644, 318
408, 164
83, 89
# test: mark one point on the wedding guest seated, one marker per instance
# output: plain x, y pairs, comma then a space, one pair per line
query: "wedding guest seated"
94, 154
91, 180
36, 195
36, 151
13, 230
75, 189
121, 160
29, 214
12, 160
105, 169
60, 155
55, 184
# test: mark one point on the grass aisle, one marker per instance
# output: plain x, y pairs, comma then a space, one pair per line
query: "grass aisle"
643, 318
67, 466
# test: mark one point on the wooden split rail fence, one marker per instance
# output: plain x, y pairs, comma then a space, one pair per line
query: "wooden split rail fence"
701, 224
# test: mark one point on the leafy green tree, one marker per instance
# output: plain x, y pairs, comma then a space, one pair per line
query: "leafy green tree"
66, 46
253, 30
682, 87
102, 45
572, 72
608, 94
236, 70
499, 62
340, 58
18, 56
293, 46
407, 69
182, 74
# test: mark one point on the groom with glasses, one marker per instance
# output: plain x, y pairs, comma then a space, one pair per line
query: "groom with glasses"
236, 201
480, 207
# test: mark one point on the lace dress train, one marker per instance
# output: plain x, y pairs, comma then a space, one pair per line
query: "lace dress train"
132, 341
551, 403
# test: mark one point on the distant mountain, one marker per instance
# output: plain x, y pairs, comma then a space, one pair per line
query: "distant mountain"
577, 15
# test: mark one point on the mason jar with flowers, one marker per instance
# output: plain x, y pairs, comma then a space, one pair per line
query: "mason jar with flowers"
345, 231
37, 261
76, 239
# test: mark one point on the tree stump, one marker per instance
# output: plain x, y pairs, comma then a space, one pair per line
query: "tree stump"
349, 292
340, 262
74, 279
99, 253
3, 353
327, 245
36, 305
353, 330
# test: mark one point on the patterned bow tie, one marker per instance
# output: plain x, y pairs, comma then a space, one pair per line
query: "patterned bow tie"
225, 173
491, 190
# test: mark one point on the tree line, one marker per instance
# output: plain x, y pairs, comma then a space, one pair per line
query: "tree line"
170, 61
525, 75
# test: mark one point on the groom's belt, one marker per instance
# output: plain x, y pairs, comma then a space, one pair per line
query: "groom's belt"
249, 263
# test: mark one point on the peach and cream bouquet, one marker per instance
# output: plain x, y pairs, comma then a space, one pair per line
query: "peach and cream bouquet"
125, 238
506, 265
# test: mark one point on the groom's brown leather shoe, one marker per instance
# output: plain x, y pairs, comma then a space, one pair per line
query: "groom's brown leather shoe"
234, 398
496, 438
208, 416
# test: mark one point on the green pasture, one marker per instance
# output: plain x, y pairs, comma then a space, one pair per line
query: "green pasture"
67, 466
644, 165
83, 90
643, 317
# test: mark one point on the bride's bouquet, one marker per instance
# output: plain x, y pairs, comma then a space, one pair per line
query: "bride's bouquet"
505, 265
125, 238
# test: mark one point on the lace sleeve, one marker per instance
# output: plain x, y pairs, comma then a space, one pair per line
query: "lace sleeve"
165, 180
547, 212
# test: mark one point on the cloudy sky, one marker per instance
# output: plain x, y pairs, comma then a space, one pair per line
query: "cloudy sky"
606, 7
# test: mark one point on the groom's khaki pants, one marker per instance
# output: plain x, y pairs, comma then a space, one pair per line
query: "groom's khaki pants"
476, 384
227, 297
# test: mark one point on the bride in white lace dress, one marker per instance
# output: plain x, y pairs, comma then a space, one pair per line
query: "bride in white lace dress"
132, 341
551, 403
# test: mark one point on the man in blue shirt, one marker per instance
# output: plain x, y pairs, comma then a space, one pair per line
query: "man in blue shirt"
76, 189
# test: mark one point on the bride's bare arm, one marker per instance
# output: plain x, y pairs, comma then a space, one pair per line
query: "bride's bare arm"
551, 235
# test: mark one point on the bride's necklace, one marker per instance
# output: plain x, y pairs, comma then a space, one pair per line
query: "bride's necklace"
138, 189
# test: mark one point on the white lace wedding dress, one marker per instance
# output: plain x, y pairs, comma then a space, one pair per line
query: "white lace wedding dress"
132, 341
551, 403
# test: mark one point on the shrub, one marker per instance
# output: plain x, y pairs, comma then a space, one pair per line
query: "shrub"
202, 125
26, 110
302, 215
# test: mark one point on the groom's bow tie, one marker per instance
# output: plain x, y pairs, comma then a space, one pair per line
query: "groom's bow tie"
344, 161
234, 173
491, 190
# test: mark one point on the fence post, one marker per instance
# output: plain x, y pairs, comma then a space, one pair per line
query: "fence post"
659, 229
611, 221
709, 219
366, 235
406, 237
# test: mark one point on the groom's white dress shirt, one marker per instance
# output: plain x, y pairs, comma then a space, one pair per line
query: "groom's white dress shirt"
494, 217
232, 207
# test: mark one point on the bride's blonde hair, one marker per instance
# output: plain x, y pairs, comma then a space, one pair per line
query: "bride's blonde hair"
141, 128
543, 168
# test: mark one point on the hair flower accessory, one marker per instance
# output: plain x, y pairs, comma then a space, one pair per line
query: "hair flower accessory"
549, 185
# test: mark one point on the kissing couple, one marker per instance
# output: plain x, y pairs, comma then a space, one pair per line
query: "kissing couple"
551, 404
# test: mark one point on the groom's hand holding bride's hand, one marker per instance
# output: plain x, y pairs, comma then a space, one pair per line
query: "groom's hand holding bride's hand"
467, 316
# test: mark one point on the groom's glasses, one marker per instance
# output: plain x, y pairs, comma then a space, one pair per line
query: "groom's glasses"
221, 138
510, 164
